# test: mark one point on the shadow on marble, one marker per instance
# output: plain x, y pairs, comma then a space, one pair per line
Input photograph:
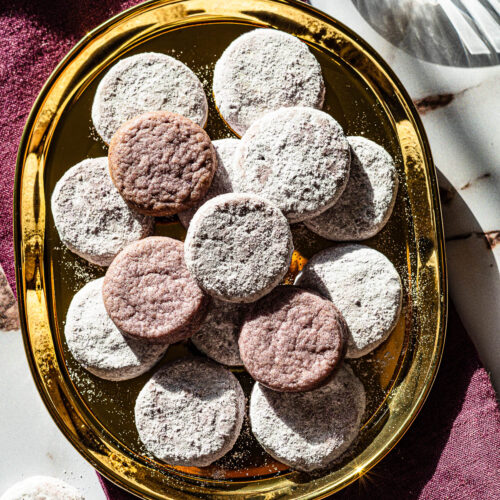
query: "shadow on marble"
474, 277
462, 135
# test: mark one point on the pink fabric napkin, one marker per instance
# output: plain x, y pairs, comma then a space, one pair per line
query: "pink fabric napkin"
452, 449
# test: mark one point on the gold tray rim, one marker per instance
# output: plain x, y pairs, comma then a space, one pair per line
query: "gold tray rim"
107, 469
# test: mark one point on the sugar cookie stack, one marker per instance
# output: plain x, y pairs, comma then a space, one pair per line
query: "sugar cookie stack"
221, 288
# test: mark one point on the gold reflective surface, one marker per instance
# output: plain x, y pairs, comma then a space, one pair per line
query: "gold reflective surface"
364, 96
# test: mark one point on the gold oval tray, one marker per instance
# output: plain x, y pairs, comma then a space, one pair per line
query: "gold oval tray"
366, 98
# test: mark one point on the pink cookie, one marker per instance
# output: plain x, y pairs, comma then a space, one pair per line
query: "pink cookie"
149, 293
292, 339
161, 163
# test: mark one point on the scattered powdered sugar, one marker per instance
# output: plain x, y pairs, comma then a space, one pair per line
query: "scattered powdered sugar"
42, 488
218, 335
91, 217
224, 180
366, 288
74, 271
297, 158
264, 70
368, 199
147, 82
190, 412
238, 247
98, 345
241, 455
308, 430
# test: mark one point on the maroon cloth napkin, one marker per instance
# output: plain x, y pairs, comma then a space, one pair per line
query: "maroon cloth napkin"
452, 449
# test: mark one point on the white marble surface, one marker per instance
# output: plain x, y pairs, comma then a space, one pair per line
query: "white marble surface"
30, 442
465, 142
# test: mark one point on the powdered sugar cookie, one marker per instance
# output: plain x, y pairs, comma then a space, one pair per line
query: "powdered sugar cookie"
149, 293
366, 288
9, 312
91, 217
308, 430
190, 413
264, 70
238, 247
297, 158
42, 488
292, 339
147, 82
161, 163
218, 335
368, 199
224, 180
98, 345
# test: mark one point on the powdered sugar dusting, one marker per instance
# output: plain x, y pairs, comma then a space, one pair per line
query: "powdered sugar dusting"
368, 199
238, 247
218, 335
98, 345
147, 82
366, 288
297, 158
9, 314
190, 413
91, 217
308, 430
42, 487
264, 70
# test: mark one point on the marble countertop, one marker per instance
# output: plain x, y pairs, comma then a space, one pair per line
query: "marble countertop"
30, 441
457, 108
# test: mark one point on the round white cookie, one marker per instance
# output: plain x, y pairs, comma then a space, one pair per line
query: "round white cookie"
365, 287
91, 217
264, 70
98, 345
218, 335
147, 82
224, 180
42, 488
368, 199
238, 247
190, 412
298, 158
308, 430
